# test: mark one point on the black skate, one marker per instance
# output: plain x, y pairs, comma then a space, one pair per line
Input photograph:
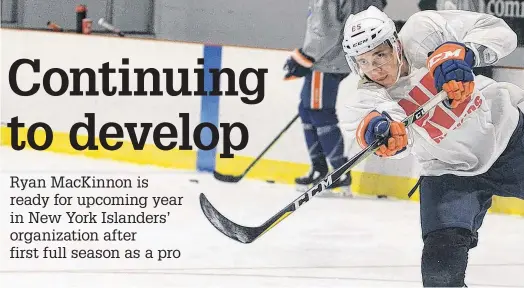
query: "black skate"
312, 178
340, 188
318, 171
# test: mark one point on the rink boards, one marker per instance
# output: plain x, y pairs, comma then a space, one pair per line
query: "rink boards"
285, 161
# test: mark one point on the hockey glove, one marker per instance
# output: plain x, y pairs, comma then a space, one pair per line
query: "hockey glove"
451, 66
376, 125
298, 65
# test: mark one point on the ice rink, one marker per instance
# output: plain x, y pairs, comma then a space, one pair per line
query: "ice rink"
327, 243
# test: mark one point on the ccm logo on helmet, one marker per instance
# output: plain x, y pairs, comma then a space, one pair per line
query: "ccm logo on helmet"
360, 42
443, 56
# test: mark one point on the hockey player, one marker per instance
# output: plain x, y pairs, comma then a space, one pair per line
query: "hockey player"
321, 61
468, 152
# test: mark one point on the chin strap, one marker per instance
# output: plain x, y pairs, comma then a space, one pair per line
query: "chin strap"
400, 59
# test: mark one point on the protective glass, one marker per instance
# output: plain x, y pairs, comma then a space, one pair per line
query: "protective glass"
373, 59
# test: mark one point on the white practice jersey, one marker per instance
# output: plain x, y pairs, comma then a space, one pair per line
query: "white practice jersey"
463, 141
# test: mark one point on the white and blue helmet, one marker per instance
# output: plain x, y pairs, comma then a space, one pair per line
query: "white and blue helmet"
364, 32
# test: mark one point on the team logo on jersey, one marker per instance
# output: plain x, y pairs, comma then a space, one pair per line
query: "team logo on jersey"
439, 122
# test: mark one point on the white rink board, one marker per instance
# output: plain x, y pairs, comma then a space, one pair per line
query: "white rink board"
65, 51
515, 76
263, 120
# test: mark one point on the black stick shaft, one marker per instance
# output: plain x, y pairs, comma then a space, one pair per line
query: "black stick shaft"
270, 144
246, 234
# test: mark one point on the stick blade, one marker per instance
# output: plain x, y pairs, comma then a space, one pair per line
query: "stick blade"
226, 178
232, 230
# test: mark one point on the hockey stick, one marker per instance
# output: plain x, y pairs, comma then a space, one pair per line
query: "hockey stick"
245, 234
233, 178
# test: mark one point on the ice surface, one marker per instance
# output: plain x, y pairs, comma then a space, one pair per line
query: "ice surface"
329, 242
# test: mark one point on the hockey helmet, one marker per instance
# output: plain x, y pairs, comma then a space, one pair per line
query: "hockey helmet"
366, 31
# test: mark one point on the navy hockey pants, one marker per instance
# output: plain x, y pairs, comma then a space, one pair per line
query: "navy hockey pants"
450, 201
317, 111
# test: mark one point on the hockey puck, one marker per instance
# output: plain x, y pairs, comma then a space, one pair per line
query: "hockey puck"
193, 180
270, 181
382, 196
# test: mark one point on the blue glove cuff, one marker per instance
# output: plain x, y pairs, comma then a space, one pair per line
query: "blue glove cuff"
377, 126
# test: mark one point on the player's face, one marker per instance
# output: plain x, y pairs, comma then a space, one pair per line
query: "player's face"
380, 65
